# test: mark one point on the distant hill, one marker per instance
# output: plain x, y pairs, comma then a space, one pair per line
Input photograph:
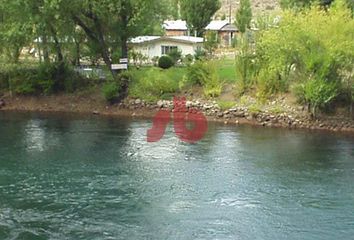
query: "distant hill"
258, 6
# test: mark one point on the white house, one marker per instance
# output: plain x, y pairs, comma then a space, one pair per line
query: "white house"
157, 46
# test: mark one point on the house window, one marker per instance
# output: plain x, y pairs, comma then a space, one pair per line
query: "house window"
167, 49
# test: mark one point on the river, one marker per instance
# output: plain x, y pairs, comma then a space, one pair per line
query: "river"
88, 177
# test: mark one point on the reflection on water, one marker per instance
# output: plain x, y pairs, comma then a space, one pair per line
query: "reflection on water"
82, 177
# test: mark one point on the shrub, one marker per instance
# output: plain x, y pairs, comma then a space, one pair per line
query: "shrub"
318, 93
188, 59
200, 54
165, 62
212, 85
246, 66
45, 78
204, 74
225, 105
154, 85
110, 91
196, 74
175, 55
305, 45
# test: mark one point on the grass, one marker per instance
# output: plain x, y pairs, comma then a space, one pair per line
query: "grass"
141, 88
226, 71
225, 105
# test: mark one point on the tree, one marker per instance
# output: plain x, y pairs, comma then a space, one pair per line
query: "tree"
244, 16
108, 24
198, 13
211, 41
306, 3
15, 29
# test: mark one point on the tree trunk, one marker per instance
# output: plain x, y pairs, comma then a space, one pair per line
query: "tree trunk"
45, 49
78, 53
57, 45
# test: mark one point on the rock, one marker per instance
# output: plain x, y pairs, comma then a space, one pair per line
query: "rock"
220, 115
138, 101
160, 104
239, 114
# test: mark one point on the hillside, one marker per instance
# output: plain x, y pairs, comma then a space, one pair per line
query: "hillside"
258, 6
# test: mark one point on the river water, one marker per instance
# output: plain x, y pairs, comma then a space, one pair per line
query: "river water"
85, 177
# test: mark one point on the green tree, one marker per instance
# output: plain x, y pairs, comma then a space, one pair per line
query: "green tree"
198, 13
244, 16
108, 24
15, 29
306, 3
211, 42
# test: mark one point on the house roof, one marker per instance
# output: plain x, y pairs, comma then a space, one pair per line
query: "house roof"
175, 25
187, 39
216, 25
229, 28
182, 39
142, 39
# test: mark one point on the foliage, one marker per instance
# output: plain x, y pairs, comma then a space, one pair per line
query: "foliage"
211, 41
244, 15
298, 4
153, 85
318, 93
225, 105
204, 74
200, 54
165, 62
198, 13
246, 66
305, 46
42, 79
175, 55
110, 91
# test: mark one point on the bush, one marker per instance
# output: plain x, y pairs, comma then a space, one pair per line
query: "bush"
200, 54
246, 66
110, 91
318, 93
203, 74
304, 46
175, 55
165, 62
44, 78
196, 73
154, 85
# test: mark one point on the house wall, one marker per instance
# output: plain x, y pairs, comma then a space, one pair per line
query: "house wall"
175, 33
153, 49
225, 38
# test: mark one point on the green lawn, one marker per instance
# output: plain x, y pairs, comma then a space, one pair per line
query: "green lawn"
226, 71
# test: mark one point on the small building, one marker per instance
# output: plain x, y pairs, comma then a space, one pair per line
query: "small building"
175, 28
157, 46
226, 32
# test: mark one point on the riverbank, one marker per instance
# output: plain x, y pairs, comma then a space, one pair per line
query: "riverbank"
291, 118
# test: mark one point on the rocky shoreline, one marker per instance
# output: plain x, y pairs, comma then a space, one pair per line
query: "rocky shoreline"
295, 119
242, 115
